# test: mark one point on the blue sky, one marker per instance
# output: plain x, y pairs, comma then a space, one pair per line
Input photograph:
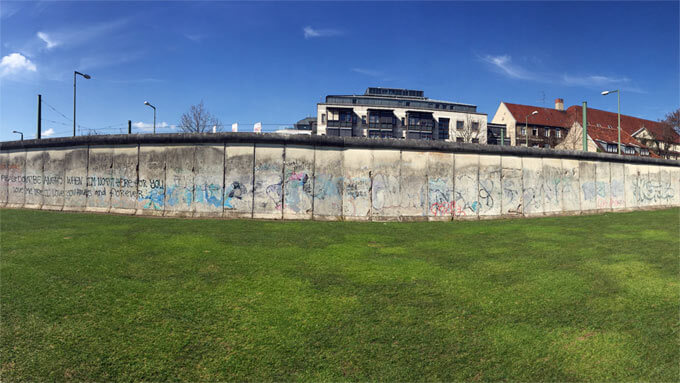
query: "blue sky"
272, 62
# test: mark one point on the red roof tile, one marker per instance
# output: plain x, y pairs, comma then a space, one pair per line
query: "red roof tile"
611, 135
545, 116
629, 124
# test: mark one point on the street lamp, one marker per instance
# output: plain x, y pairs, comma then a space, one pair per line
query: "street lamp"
154, 115
87, 77
17, 132
526, 126
618, 94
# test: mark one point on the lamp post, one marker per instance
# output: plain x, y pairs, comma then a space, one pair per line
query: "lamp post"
154, 115
18, 132
618, 94
526, 126
87, 77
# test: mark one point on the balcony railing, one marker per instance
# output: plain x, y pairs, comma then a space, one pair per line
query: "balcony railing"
339, 124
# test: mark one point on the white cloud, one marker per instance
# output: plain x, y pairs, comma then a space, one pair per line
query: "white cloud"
16, 63
367, 72
504, 65
195, 37
51, 43
48, 132
80, 34
310, 32
148, 127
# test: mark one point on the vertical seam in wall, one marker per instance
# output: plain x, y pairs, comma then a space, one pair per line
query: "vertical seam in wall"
63, 182
609, 165
137, 180
313, 178
283, 181
87, 176
479, 204
252, 187
453, 186
165, 179
193, 180
370, 187
401, 160
426, 213
521, 186
578, 192
342, 177
500, 177
224, 177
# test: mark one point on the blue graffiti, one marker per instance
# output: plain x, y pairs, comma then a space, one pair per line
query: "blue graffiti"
209, 193
174, 195
154, 199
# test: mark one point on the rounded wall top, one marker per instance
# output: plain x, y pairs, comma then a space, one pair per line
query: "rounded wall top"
322, 141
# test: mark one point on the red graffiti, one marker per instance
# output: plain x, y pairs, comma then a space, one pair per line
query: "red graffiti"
447, 208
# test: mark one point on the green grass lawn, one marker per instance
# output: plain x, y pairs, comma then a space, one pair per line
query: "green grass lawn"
101, 297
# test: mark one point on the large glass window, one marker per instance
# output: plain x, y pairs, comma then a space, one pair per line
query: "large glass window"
443, 129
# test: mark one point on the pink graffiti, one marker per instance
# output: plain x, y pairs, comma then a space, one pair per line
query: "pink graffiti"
446, 208
297, 176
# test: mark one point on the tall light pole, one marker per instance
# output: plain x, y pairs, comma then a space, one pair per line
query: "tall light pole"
526, 126
87, 77
618, 94
18, 132
154, 115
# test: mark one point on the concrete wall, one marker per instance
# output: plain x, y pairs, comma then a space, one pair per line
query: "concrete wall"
325, 179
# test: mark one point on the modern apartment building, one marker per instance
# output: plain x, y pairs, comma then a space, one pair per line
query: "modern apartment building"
400, 113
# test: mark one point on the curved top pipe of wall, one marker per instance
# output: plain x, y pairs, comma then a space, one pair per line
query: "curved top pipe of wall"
321, 141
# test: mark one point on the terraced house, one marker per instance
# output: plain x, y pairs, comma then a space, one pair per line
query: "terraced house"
400, 113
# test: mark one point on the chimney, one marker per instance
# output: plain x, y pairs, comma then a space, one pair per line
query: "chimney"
559, 104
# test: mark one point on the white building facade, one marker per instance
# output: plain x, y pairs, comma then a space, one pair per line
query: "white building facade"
400, 113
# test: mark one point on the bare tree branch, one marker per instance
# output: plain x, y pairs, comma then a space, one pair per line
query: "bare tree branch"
198, 120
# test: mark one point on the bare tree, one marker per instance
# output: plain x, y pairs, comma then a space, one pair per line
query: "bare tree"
573, 138
198, 120
470, 131
669, 133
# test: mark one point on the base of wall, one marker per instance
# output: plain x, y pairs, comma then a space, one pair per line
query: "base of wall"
188, 215
52, 207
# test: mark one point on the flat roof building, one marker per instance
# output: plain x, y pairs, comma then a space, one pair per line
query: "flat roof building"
400, 113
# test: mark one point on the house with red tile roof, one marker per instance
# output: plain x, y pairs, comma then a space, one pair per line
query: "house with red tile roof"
533, 125
562, 129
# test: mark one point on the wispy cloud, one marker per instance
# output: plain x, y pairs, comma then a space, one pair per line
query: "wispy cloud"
195, 37
503, 64
16, 64
48, 132
310, 32
148, 127
51, 43
368, 72
76, 35
107, 60
145, 80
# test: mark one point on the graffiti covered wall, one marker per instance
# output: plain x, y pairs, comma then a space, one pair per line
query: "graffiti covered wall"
325, 179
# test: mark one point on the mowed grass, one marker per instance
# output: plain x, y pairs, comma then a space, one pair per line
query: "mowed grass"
101, 297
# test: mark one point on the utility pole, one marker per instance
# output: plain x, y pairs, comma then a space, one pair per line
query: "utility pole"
39, 116
129, 127
585, 126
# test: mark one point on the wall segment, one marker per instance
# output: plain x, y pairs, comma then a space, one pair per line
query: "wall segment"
278, 177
